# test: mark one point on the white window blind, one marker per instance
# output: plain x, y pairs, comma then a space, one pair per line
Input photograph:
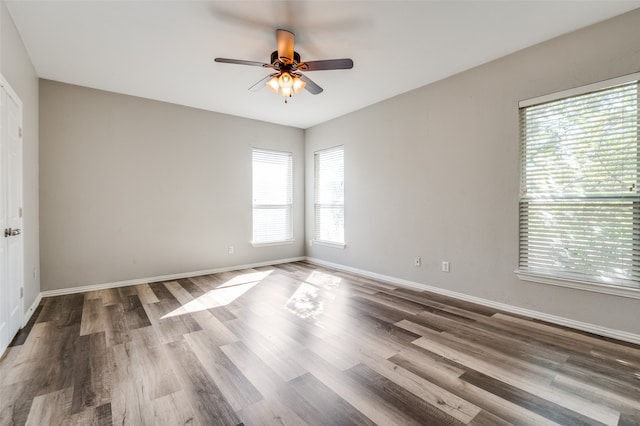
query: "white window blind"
579, 198
272, 196
329, 195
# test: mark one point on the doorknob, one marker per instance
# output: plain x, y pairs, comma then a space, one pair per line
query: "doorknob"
8, 232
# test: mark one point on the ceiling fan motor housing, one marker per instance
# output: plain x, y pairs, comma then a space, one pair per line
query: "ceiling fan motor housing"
275, 60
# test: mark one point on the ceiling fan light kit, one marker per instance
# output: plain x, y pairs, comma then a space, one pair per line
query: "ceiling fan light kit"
286, 84
288, 78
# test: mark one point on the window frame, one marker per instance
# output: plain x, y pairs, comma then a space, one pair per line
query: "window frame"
287, 206
555, 278
317, 205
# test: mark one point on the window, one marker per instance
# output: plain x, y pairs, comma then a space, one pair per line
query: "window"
329, 195
579, 198
272, 196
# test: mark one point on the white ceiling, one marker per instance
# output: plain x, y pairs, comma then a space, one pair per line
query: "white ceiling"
164, 50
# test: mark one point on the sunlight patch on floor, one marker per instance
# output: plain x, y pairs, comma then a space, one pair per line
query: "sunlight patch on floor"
308, 301
222, 295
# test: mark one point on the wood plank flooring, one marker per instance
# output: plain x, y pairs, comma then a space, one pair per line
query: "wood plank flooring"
297, 344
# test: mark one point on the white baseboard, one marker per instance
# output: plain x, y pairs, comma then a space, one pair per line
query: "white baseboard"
31, 310
578, 325
171, 277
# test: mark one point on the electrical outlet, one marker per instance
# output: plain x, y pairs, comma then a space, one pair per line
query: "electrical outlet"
445, 266
417, 262
230, 249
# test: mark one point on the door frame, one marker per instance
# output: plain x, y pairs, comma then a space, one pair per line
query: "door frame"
4, 85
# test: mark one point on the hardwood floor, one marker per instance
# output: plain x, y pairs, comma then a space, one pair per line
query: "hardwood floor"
297, 344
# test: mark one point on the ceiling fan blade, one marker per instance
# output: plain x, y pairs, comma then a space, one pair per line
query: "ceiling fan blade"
262, 83
328, 64
311, 87
285, 41
241, 62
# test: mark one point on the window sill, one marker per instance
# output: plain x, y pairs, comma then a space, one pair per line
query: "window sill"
328, 244
274, 243
613, 290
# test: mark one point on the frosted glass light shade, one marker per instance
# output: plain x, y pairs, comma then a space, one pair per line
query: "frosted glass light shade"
298, 84
285, 80
273, 85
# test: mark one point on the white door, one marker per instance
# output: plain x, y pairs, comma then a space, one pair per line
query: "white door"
11, 239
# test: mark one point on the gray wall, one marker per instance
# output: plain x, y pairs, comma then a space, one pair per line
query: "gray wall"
434, 173
133, 188
17, 69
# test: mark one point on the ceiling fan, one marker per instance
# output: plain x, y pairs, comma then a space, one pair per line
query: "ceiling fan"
288, 78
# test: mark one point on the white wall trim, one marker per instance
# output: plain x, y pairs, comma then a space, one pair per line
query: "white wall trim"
328, 244
170, 277
7, 87
31, 310
613, 290
274, 243
579, 90
578, 325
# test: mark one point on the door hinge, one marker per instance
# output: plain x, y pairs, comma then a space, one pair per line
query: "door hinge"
20, 212
21, 292
19, 131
